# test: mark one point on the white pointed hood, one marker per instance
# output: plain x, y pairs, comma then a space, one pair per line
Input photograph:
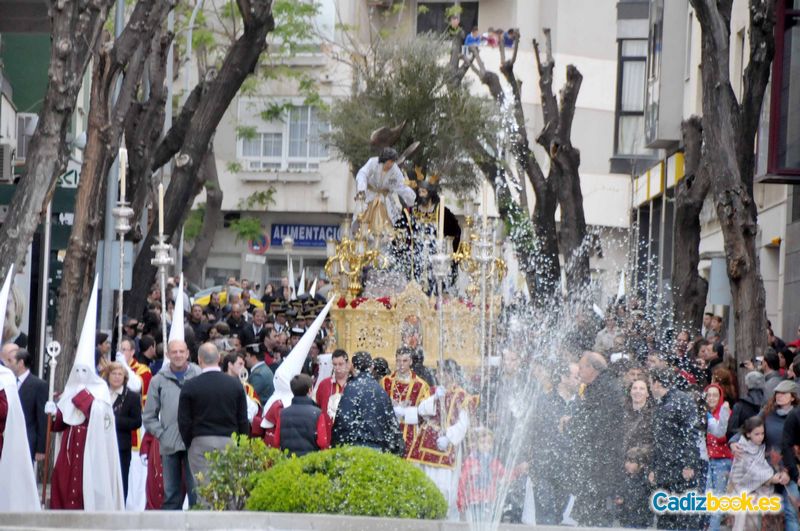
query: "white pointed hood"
290, 273
313, 291
7, 377
17, 481
176, 330
84, 373
302, 289
293, 363
621, 289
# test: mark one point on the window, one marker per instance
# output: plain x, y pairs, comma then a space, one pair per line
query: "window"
629, 135
296, 143
431, 16
784, 157
687, 67
26, 123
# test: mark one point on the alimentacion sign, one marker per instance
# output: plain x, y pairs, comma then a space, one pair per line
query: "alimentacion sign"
304, 235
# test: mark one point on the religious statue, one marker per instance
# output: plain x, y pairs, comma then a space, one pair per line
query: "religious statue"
381, 184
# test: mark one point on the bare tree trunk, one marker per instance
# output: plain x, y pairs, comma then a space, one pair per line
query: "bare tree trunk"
212, 218
689, 289
729, 130
76, 26
106, 125
240, 61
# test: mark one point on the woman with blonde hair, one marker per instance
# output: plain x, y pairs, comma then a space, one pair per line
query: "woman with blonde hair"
127, 406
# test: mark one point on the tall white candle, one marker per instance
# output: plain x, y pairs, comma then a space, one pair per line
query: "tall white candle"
485, 203
161, 208
440, 228
123, 164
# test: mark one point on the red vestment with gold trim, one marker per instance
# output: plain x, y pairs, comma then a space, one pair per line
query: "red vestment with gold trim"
424, 448
408, 393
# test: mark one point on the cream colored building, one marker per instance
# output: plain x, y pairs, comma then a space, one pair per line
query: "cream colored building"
673, 92
313, 189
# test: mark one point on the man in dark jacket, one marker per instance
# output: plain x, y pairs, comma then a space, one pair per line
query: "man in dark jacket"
596, 424
676, 454
32, 397
365, 416
301, 427
211, 408
748, 405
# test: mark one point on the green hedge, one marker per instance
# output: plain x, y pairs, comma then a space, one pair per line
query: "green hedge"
349, 480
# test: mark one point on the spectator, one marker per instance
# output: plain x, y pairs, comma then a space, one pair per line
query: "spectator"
675, 458
706, 324
719, 455
32, 397
365, 416
211, 407
604, 342
638, 419
102, 350
301, 427
490, 37
725, 378
509, 37
199, 325
380, 368
770, 366
161, 419
597, 418
127, 408
261, 376
233, 366
474, 38
749, 405
633, 500
752, 473
419, 368
481, 474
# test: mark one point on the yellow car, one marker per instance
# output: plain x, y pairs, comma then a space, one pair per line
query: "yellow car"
204, 297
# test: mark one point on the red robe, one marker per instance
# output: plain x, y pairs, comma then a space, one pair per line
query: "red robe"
410, 393
67, 482
3, 416
327, 388
478, 485
154, 486
273, 415
424, 448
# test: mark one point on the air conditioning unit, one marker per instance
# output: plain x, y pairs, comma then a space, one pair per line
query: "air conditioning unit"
6, 159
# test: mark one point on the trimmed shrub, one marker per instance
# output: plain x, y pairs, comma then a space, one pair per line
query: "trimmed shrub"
349, 480
230, 477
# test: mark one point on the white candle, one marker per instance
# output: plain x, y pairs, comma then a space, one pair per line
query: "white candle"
123, 164
440, 231
485, 203
161, 208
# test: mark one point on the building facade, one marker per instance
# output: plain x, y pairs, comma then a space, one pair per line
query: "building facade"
313, 190
666, 87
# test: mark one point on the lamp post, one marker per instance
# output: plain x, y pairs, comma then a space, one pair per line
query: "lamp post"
288, 244
122, 225
162, 260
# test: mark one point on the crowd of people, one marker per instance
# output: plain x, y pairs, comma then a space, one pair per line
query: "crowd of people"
622, 412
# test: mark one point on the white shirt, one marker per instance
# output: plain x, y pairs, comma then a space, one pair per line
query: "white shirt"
22, 377
212, 368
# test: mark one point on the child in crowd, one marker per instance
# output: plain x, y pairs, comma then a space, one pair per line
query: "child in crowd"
633, 501
481, 474
752, 473
301, 427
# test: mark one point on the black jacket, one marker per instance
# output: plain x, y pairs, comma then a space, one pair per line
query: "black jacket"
597, 422
212, 404
675, 438
299, 426
746, 407
32, 397
250, 337
365, 417
127, 416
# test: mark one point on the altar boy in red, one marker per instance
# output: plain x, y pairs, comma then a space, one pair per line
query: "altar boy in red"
407, 391
437, 446
87, 472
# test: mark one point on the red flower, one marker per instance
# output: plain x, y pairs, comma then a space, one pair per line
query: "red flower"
341, 303
386, 301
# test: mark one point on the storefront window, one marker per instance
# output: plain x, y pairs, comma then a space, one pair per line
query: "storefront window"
785, 111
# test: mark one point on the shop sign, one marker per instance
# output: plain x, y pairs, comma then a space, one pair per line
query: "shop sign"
303, 235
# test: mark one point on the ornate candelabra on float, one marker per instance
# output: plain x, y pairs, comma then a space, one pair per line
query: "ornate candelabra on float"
162, 259
122, 225
53, 351
348, 257
441, 271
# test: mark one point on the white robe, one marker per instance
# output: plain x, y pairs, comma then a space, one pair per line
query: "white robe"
17, 478
446, 479
371, 178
